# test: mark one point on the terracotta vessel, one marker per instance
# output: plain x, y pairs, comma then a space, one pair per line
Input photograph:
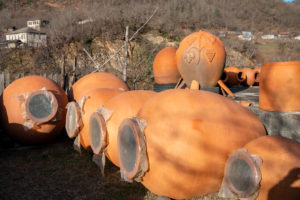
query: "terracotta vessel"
173, 145
33, 109
279, 88
269, 167
201, 57
248, 75
233, 76
164, 66
96, 80
77, 118
257, 75
123, 106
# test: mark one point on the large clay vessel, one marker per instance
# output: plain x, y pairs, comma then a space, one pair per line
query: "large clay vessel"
123, 106
233, 76
96, 80
279, 88
164, 66
248, 75
268, 167
173, 145
33, 109
78, 114
201, 57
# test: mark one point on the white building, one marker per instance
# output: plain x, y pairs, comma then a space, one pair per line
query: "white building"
297, 37
268, 37
28, 37
35, 24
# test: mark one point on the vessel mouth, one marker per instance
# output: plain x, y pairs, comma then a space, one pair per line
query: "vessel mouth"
41, 106
257, 76
129, 144
240, 77
242, 175
98, 133
224, 77
73, 119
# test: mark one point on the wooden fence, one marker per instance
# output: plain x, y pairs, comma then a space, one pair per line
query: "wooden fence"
64, 81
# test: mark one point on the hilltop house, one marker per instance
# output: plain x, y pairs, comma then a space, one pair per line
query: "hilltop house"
28, 36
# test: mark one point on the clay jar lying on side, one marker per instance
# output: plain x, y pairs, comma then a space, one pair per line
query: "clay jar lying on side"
78, 114
94, 81
201, 57
180, 140
33, 109
164, 66
233, 76
122, 106
268, 167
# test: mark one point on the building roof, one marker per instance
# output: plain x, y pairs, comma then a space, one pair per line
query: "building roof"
25, 30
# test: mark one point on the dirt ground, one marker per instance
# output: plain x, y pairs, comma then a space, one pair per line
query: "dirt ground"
56, 171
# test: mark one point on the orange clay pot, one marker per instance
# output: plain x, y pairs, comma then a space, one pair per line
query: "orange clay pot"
280, 87
257, 75
182, 147
96, 80
95, 98
278, 171
30, 114
248, 75
201, 57
164, 66
123, 106
233, 76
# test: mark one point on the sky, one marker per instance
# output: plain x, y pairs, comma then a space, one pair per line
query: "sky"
288, 0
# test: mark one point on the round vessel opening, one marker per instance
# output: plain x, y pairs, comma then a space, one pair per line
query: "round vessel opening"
41, 106
242, 176
224, 77
241, 77
72, 118
257, 76
129, 147
97, 131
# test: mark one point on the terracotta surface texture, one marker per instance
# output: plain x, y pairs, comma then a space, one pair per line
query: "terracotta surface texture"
125, 105
248, 75
201, 56
96, 80
96, 98
280, 167
11, 110
164, 66
280, 87
183, 133
233, 76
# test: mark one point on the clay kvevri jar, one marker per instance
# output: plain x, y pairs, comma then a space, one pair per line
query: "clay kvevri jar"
248, 75
96, 80
123, 106
173, 145
269, 165
77, 119
279, 88
201, 57
164, 66
234, 76
33, 109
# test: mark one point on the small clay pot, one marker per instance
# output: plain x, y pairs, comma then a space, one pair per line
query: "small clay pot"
173, 145
233, 76
268, 167
248, 75
201, 57
164, 66
33, 110
94, 81
279, 88
77, 118
123, 106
